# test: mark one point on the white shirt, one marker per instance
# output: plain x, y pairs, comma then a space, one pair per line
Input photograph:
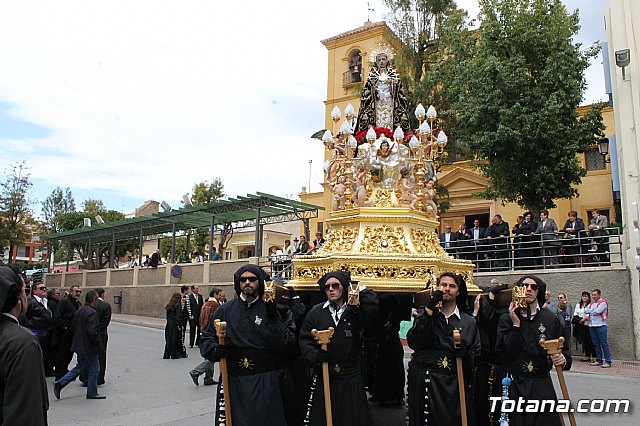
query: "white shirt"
8, 315
455, 312
42, 300
244, 298
336, 314
476, 233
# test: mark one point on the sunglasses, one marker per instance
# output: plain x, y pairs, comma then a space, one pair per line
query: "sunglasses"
78, 291
248, 279
533, 287
41, 288
334, 286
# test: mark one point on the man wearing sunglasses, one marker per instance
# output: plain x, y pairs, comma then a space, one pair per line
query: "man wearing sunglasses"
39, 321
433, 394
527, 362
349, 404
63, 317
256, 338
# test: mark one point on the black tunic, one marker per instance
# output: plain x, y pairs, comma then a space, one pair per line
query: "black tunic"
172, 334
349, 404
23, 390
432, 379
254, 343
528, 363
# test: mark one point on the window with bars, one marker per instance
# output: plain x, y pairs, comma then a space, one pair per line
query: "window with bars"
594, 160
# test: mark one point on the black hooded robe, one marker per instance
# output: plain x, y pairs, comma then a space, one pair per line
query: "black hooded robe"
254, 341
433, 396
349, 405
527, 362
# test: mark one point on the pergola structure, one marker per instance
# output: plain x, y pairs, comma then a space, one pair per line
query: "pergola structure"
252, 210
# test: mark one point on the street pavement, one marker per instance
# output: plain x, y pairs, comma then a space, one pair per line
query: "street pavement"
144, 389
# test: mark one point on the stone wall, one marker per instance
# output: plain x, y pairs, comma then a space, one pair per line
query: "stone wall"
614, 284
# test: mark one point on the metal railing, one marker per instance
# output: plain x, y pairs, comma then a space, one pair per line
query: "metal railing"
540, 251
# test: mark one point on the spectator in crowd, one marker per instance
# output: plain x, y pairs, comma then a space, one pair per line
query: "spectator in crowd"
63, 317
573, 232
517, 241
53, 297
39, 320
600, 234
319, 241
288, 250
581, 327
498, 236
527, 252
547, 229
549, 303
275, 257
87, 345
564, 311
447, 240
23, 388
303, 248
479, 244
214, 254
195, 302
187, 315
155, 259
184, 257
598, 311
207, 367
172, 332
103, 309
462, 242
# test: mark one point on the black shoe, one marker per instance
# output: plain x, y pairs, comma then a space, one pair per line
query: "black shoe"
96, 396
194, 377
209, 383
57, 387
190, 346
101, 382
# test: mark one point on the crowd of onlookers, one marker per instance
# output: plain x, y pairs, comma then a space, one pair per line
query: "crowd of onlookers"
529, 244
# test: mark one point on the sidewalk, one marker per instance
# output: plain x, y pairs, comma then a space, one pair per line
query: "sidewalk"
618, 368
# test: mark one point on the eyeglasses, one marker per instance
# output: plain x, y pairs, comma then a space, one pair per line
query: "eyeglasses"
334, 286
533, 287
41, 288
251, 279
78, 291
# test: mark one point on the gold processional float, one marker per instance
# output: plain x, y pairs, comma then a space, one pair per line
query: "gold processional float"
383, 224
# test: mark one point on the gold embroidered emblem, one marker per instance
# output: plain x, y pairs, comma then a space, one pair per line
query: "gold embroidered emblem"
246, 364
444, 363
529, 367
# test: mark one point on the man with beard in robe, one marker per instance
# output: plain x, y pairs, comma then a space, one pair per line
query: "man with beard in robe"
433, 395
349, 404
23, 390
526, 362
255, 338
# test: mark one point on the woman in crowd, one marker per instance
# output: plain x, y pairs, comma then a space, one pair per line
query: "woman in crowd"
172, 333
581, 327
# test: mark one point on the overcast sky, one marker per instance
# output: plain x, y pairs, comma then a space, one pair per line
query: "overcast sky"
132, 100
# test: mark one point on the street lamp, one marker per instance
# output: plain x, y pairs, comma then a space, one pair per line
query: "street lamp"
603, 149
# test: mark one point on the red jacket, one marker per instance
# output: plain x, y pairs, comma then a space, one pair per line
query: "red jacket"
207, 310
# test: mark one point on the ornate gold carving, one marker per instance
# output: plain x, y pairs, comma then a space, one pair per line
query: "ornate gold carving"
339, 240
384, 239
383, 197
311, 272
426, 241
424, 273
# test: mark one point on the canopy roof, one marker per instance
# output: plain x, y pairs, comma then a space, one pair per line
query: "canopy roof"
241, 211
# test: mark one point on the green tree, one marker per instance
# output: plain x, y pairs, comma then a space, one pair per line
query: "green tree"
517, 87
15, 206
92, 207
203, 193
58, 203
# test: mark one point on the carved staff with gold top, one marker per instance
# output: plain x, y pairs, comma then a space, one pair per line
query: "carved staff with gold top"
323, 337
457, 343
221, 331
554, 347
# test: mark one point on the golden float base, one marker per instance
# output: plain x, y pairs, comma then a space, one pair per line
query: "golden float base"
387, 249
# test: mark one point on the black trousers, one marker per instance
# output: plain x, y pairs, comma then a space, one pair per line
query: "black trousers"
194, 326
64, 355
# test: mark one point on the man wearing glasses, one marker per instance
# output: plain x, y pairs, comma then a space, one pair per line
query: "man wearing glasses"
39, 321
528, 363
348, 399
256, 338
64, 330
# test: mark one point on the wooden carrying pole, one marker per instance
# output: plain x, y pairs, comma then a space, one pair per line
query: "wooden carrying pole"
323, 337
221, 331
555, 347
457, 343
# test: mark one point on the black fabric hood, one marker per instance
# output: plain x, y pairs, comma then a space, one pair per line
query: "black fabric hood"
254, 269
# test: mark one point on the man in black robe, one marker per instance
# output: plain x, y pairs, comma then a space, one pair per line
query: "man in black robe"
433, 395
64, 330
526, 362
349, 404
255, 338
23, 390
